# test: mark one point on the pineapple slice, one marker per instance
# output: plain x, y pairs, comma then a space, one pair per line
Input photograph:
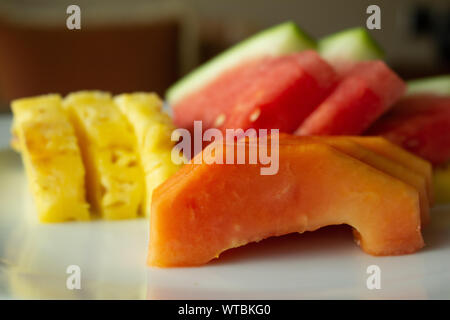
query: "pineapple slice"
51, 157
114, 177
153, 130
15, 144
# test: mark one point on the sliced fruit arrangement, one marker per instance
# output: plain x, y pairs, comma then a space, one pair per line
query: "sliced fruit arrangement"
194, 218
52, 159
343, 92
116, 153
270, 87
263, 91
320, 100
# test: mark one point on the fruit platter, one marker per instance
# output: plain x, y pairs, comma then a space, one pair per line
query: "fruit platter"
286, 167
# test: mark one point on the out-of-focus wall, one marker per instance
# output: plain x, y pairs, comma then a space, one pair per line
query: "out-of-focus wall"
122, 46
404, 50
148, 44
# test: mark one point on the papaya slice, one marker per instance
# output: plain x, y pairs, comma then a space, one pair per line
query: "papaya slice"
407, 159
386, 165
205, 209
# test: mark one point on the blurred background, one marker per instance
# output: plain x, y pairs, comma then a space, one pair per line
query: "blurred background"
147, 45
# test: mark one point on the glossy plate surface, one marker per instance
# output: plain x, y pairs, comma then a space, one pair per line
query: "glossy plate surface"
325, 264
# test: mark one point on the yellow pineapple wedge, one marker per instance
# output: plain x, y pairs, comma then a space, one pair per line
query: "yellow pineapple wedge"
153, 130
15, 144
114, 178
52, 159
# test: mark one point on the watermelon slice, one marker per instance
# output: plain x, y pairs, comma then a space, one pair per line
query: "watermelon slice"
282, 95
420, 124
439, 85
216, 98
436, 85
344, 48
364, 94
278, 40
277, 92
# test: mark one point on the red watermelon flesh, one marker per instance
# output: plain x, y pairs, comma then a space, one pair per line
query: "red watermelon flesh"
284, 95
367, 91
420, 124
214, 99
275, 92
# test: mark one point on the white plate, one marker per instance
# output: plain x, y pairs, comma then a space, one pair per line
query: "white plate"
325, 264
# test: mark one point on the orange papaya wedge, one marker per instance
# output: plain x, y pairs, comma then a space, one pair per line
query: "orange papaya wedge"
407, 159
385, 165
346, 145
387, 157
207, 208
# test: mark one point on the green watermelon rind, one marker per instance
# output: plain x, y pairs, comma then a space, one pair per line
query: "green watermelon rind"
355, 44
281, 39
435, 85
